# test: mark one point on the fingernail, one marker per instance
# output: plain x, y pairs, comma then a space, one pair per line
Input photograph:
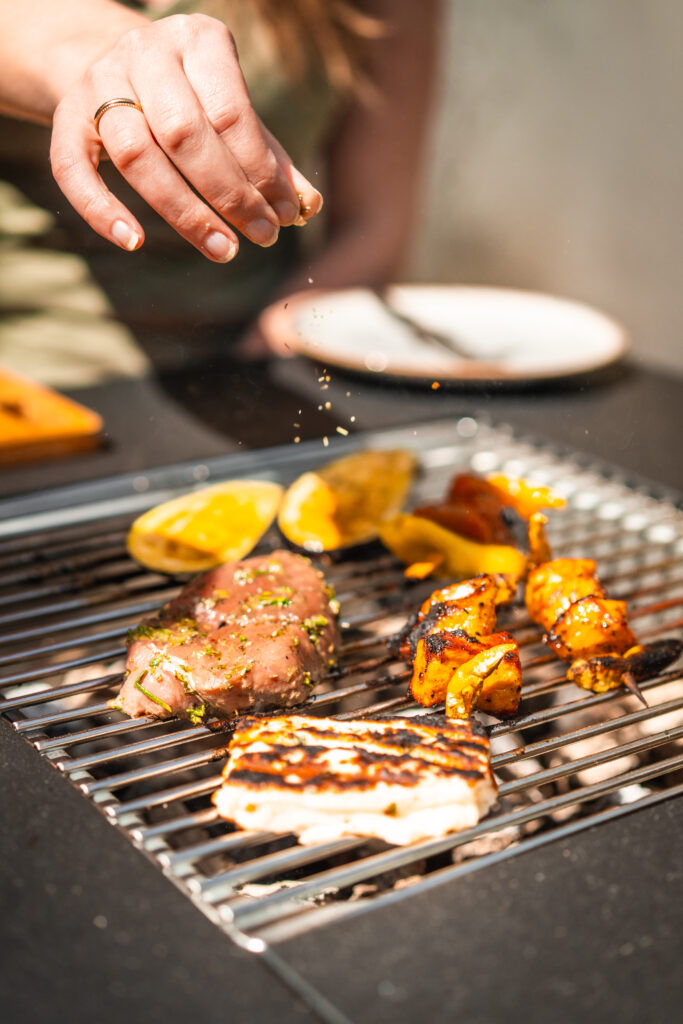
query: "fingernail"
262, 231
124, 235
220, 247
286, 212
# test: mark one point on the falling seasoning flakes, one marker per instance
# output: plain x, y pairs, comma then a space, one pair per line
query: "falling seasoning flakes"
310, 280
348, 394
343, 431
296, 440
296, 424
352, 419
435, 385
326, 441
328, 405
320, 408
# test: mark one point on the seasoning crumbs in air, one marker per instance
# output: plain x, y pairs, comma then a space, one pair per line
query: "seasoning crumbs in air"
326, 441
435, 385
343, 431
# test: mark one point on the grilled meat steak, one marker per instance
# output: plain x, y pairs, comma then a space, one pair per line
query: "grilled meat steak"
252, 634
395, 779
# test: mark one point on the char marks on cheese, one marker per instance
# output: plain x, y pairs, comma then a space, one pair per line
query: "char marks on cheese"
393, 779
247, 635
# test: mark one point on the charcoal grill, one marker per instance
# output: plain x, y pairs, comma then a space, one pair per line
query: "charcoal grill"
570, 761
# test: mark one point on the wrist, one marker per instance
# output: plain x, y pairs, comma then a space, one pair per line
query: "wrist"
51, 46
76, 51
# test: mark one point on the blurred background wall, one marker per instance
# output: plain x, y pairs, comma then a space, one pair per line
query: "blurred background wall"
557, 159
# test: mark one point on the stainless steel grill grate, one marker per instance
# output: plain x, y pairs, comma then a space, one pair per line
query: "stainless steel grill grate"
68, 594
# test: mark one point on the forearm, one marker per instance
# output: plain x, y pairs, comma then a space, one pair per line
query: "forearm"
46, 45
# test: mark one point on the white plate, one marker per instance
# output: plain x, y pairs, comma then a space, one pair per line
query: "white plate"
507, 334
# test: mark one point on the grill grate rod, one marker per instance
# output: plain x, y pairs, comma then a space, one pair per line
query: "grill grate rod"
178, 764
595, 541
541, 747
58, 669
186, 791
99, 595
130, 725
563, 831
220, 886
232, 841
272, 906
498, 760
67, 645
141, 608
66, 740
137, 749
62, 717
526, 753
45, 569
591, 761
144, 833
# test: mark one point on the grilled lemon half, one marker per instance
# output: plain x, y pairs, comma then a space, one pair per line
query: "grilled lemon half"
205, 528
346, 501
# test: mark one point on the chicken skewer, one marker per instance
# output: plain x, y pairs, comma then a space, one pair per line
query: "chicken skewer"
586, 628
457, 655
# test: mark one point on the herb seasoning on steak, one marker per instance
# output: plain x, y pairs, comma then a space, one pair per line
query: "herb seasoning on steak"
247, 635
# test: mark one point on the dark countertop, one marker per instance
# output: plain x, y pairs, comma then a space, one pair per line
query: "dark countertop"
588, 927
626, 415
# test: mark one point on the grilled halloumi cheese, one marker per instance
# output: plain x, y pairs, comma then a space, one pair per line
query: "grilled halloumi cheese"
394, 779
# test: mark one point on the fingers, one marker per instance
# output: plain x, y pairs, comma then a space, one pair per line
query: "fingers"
74, 156
309, 200
197, 154
224, 100
181, 129
75, 153
133, 149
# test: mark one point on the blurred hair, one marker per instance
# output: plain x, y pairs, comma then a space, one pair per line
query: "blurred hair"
329, 35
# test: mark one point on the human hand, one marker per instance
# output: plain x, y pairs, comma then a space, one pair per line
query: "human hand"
198, 153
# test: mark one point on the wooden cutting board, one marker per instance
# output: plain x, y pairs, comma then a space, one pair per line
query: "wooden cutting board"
38, 423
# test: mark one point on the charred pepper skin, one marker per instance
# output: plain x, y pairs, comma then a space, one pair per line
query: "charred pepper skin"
606, 672
457, 656
590, 630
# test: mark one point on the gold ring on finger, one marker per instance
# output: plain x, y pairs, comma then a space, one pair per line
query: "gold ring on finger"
119, 101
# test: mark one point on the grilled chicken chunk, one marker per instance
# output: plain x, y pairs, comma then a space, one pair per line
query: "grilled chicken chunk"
253, 634
590, 626
457, 657
394, 779
469, 606
592, 632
